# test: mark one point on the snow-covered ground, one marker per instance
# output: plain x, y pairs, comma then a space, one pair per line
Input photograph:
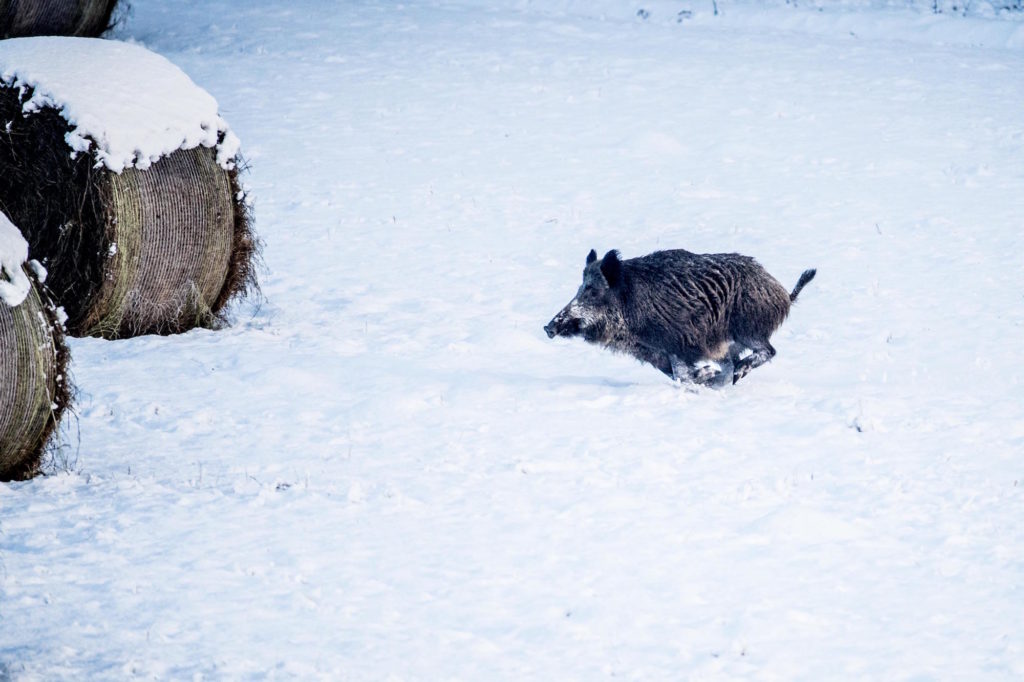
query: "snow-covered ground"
387, 471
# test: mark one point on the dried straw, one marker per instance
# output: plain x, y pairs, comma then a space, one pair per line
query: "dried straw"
82, 18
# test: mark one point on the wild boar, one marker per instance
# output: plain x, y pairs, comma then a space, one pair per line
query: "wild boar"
687, 314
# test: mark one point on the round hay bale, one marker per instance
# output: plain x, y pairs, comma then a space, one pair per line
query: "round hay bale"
87, 18
34, 390
157, 248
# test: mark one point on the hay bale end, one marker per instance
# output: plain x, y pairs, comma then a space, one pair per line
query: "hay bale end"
34, 389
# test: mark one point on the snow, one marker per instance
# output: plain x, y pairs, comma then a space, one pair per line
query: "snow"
126, 105
14, 283
914, 21
387, 471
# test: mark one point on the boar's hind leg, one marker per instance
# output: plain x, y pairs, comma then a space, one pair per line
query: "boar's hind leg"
760, 353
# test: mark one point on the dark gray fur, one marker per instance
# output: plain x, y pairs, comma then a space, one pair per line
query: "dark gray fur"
678, 310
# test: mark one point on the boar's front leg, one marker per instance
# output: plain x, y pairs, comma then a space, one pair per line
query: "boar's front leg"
703, 373
648, 353
659, 359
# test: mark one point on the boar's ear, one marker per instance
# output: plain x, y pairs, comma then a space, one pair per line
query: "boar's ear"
591, 257
611, 268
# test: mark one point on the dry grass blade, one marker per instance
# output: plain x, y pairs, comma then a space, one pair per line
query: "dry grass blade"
82, 18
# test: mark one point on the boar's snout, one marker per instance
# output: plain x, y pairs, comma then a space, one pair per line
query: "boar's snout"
563, 324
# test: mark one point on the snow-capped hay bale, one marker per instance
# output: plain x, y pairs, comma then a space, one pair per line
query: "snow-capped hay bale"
124, 179
86, 18
33, 359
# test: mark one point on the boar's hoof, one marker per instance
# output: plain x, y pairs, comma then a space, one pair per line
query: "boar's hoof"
706, 374
703, 373
751, 361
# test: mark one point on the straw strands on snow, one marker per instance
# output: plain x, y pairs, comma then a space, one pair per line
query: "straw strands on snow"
34, 389
55, 17
158, 247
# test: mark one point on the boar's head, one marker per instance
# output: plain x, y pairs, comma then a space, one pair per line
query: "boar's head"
596, 312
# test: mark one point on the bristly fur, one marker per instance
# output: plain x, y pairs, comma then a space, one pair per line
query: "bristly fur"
675, 309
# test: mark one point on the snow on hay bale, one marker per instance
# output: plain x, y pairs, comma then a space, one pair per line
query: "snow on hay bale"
20, 18
124, 179
33, 359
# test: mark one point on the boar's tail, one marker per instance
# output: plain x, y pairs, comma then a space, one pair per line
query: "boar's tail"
804, 279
